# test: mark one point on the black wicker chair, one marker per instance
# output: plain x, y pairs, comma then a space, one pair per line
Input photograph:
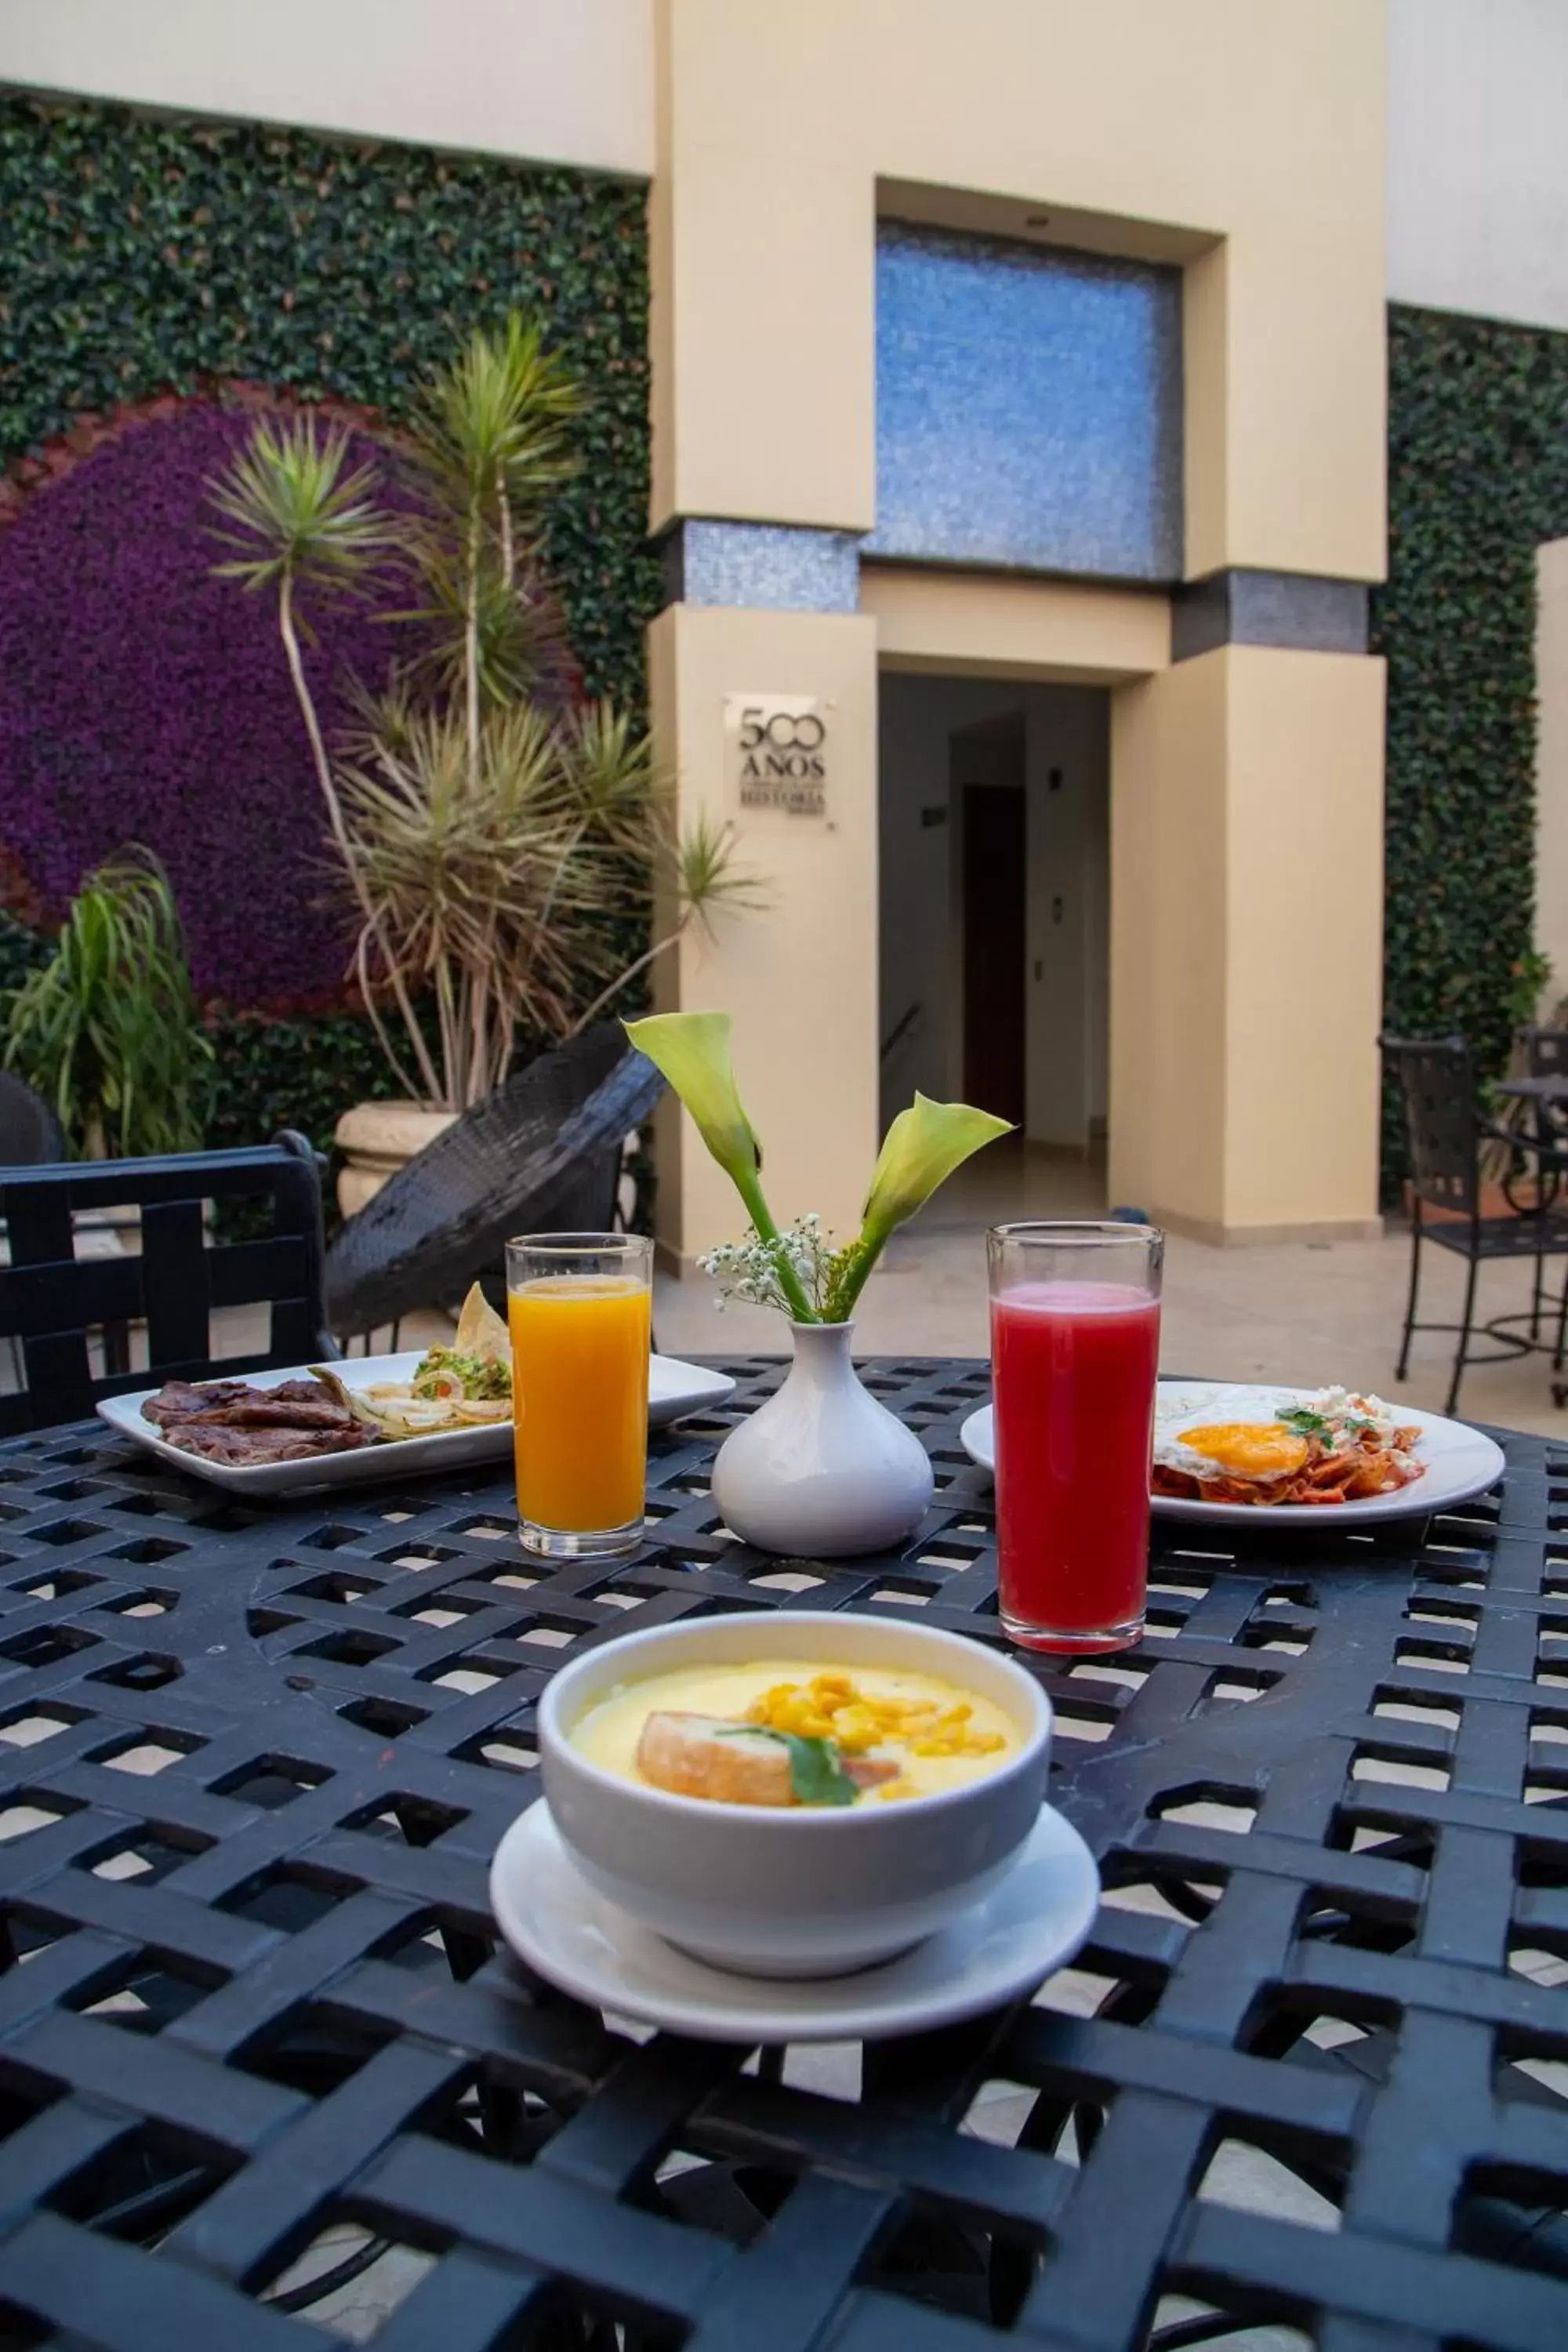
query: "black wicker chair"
30, 1134
51, 1300
1447, 1199
543, 1154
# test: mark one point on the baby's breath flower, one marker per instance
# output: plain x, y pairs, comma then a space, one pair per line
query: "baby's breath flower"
749, 1270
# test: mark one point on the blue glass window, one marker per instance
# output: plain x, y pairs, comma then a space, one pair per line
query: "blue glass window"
1028, 407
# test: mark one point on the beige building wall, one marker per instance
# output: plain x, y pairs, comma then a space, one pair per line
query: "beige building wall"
1168, 1076
1259, 126
799, 979
567, 82
1246, 911
1303, 928
985, 625
1246, 143
1477, 163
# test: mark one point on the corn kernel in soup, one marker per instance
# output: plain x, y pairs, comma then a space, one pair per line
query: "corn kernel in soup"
788, 1731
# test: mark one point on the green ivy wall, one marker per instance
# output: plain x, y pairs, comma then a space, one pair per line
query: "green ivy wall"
1477, 480
144, 255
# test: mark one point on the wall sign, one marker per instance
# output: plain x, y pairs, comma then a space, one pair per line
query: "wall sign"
776, 753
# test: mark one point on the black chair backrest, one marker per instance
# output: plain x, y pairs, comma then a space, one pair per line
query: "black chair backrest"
30, 1134
1437, 1077
50, 1298
521, 1161
1545, 1052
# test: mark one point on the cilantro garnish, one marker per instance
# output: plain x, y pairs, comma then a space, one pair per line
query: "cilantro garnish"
1308, 1422
1304, 1420
816, 1773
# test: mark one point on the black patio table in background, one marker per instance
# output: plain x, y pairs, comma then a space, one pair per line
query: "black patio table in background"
1547, 1096
255, 1990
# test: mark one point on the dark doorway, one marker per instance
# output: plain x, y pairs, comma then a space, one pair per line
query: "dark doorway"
988, 775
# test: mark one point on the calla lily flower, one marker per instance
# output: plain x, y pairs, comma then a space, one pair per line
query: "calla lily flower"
919, 1151
692, 1050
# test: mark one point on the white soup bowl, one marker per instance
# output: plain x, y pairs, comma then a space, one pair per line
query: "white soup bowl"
798, 1890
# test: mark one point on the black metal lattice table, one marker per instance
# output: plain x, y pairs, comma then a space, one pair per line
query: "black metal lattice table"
253, 1765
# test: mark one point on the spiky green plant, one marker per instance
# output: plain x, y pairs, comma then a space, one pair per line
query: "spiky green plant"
109, 1030
488, 439
484, 825
488, 874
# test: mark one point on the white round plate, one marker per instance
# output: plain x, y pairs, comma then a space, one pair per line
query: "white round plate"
1032, 1923
1460, 1463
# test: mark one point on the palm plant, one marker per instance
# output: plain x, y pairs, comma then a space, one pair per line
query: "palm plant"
487, 829
109, 1029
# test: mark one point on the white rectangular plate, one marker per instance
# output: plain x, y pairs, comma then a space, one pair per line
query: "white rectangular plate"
674, 1388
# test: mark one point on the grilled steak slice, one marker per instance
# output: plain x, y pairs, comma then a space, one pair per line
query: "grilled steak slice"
244, 1447
230, 1420
178, 1401
258, 1410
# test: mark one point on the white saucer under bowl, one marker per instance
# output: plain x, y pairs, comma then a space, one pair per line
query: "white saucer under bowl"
1032, 1923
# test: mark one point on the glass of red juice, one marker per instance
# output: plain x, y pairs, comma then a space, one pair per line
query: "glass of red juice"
1075, 1347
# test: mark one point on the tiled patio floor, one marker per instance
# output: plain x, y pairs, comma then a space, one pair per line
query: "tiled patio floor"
1297, 1312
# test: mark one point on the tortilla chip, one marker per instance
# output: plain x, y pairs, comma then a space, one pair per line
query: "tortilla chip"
480, 1331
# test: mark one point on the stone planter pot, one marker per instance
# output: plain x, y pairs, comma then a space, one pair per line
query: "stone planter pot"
377, 1139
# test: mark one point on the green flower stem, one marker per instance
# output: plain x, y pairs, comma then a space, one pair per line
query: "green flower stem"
757, 1208
850, 1278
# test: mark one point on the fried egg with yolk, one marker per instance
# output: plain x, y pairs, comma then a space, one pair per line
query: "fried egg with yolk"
1235, 1434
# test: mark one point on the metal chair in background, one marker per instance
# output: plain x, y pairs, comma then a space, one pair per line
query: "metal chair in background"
543, 1154
52, 1302
1449, 1200
1545, 1052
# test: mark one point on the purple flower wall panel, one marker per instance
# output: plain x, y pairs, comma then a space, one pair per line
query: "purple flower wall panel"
143, 699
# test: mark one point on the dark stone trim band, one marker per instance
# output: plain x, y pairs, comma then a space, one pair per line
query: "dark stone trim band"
1268, 608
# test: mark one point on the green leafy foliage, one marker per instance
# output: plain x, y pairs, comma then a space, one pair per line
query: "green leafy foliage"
302, 1073
149, 254
21, 952
1477, 480
108, 1029
145, 255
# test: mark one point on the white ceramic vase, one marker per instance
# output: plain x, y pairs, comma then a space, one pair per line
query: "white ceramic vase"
822, 1470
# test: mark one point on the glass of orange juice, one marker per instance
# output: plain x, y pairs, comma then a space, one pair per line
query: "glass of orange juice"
580, 1310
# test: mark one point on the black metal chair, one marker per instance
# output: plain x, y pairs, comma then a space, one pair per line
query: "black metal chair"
1449, 1198
51, 1300
30, 1134
543, 1154
1545, 1051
